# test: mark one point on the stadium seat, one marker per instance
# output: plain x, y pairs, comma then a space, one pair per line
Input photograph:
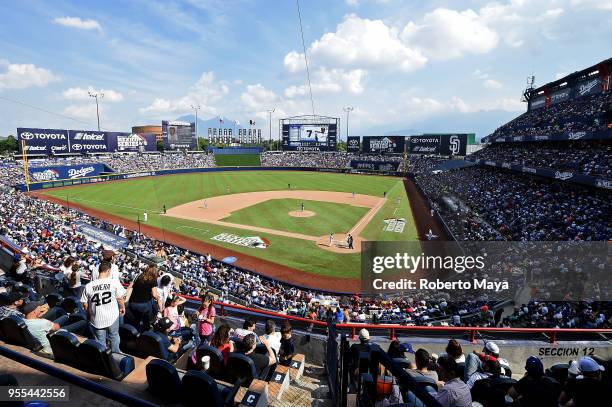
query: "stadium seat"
199, 386
16, 333
427, 383
164, 380
149, 344
503, 383
129, 339
217, 365
240, 368
460, 369
64, 346
402, 362
95, 358
54, 299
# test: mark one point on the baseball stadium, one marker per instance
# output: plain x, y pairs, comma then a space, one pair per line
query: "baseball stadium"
156, 252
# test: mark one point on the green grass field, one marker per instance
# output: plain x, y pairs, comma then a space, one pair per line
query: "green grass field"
237, 160
129, 199
274, 214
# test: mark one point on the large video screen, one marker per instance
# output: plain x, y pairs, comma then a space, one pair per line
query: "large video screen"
309, 137
179, 135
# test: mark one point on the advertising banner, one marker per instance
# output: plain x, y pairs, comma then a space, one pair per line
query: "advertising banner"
107, 239
353, 144
453, 144
178, 135
570, 135
83, 141
560, 95
43, 141
569, 176
587, 87
537, 103
57, 172
383, 144
426, 144
309, 137
131, 142
386, 166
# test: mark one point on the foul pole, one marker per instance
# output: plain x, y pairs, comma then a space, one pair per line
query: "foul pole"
24, 159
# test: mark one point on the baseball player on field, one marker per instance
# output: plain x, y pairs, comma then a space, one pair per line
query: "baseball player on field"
103, 301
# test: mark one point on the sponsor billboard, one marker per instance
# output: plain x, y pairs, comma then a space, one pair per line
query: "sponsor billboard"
587, 87
178, 135
43, 141
57, 172
108, 239
385, 166
309, 137
131, 142
439, 144
353, 144
383, 144
83, 141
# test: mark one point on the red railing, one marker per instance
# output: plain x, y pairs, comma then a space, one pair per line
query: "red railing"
392, 329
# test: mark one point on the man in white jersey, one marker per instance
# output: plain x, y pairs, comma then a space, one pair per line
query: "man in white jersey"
109, 256
103, 301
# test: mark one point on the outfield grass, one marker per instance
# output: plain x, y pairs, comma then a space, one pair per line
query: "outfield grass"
129, 199
274, 214
237, 160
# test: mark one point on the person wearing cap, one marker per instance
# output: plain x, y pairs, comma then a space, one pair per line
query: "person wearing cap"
454, 392
169, 342
19, 268
588, 389
14, 301
473, 361
487, 391
535, 389
364, 345
488, 365
40, 327
108, 256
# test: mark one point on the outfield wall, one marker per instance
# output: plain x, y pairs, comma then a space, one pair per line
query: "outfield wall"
36, 186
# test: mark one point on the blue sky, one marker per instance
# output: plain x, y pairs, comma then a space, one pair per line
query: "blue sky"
400, 64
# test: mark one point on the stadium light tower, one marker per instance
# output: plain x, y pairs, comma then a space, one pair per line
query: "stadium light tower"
97, 95
196, 108
348, 110
270, 111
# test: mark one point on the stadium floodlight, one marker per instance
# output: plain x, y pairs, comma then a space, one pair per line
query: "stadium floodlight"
348, 110
196, 108
270, 111
97, 95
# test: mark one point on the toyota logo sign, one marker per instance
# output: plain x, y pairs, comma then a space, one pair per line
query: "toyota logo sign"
77, 147
27, 135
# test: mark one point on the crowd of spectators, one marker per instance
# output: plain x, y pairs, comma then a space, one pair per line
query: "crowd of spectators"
586, 157
305, 159
576, 115
519, 207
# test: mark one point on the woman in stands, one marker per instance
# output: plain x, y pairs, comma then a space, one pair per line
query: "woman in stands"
144, 300
206, 318
74, 287
178, 327
221, 340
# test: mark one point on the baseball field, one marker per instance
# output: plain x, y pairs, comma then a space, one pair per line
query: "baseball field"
282, 218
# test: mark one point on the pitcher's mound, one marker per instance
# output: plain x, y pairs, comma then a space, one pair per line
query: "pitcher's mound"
302, 214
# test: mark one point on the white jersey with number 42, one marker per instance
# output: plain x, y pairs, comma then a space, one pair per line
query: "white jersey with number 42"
101, 297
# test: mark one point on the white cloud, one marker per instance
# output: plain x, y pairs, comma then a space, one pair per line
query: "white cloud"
258, 98
77, 22
360, 43
445, 34
294, 62
83, 111
593, 4
352, 2
83, 94
509, 104
492, 84
205, 92
330, 81
21, 76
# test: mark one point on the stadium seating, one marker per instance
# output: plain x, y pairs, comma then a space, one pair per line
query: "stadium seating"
16, 332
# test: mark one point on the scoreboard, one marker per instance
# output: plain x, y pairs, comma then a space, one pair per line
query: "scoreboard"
309, 134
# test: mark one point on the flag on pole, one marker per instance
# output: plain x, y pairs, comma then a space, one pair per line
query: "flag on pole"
221, 119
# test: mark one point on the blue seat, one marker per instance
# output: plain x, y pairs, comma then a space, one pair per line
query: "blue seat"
93, 357
241, 369
217, 364
64, 346
164, 381
199, 386
150, 344
16, 333
129, 339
